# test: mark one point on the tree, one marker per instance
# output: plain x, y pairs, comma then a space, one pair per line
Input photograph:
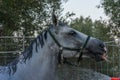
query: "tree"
83, 24
101, 30
27, 16
112, 9
98, 28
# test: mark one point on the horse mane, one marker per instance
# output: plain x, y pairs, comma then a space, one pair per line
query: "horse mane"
40, 40
27, 54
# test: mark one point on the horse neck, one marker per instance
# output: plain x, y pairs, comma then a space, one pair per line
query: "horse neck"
45, 54
42, 63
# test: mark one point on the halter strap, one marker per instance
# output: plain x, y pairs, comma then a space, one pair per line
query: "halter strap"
54, 38
61, 48
84, 45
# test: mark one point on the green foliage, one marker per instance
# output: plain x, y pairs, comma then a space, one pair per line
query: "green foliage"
83, 24
112, 9
101, 30
27, 15
97, 29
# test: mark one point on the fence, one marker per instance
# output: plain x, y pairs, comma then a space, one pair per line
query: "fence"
11, 46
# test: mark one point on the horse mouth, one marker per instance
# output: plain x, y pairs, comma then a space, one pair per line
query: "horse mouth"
104, 57
101, 57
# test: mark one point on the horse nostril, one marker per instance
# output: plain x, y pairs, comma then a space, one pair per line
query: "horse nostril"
103, 48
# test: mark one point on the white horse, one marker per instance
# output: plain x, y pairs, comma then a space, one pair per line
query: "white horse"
40, 60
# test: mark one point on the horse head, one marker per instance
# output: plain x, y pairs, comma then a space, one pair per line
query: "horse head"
71, 42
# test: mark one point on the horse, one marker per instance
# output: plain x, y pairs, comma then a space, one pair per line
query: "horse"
41, 59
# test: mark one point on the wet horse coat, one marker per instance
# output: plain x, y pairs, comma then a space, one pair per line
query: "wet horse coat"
39, 61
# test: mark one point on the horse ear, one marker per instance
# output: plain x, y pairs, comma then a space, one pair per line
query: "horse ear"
54, 20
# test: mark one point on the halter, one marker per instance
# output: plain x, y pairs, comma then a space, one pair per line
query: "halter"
61, 48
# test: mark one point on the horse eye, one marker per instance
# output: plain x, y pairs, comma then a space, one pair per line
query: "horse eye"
72, 33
